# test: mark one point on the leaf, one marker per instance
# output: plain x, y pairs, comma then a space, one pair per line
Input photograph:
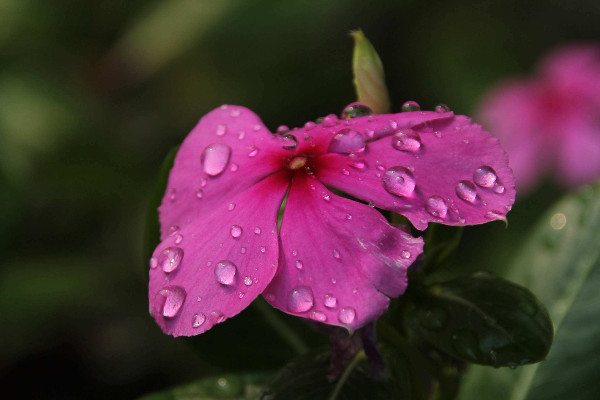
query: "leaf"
561, 264
441, 244
369, 79
306, 379
481, 319
238, 387
152, 228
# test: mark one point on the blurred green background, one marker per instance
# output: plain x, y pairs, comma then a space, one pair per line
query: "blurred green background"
94, 94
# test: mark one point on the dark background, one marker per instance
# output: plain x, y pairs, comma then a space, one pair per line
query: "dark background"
94, 94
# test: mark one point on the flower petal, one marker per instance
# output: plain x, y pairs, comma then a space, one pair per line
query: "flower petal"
212, 267
579, 152
339, 258
448, 171
228, 151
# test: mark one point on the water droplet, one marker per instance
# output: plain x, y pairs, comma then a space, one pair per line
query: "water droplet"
318, 316
299, 264
263, 249
437, 134
173, 194
345, 172
221, 129
198, 320
309, 125
405, 254
499, 189
225, 272
247, 281
236, 231
312, 187
348, 217
178, 238
282, 129
494, 214
241, 135
437, 207
357, 164
172, 298
199, 194
203, 182
485, 177
329, 121
330, 301
173, 229
347, 315
252, 151
153, 262
294, 253
336, 254
410, 106
217, 316
215, 158
399, 181
289, 142
406, 140
300, 300
442, 108
327, 197
234, 167
170, 258
354, 110
241, 294
257, 230
231, 206
333, 281
466, 191
347, 141
235, 113
243, 250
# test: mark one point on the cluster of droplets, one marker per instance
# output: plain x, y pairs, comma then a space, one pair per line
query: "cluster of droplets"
301, 300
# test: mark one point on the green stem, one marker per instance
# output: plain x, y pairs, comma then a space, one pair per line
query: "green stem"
287, 333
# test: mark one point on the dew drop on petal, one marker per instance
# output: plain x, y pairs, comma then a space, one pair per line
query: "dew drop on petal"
410, 106
294, 253
198, 320
405, 254
336, 254
442, 108
357, 164
263, 249
236, 231
299, 264
231, 206
300, 299
289, 142
172, 194
215, 158
318, 316
252, 151
257, 230
329, 120
225, 272
355, 110
347, 141
499, 189
466, 191
153, 262
235, 113
199, 194
172, 298
327, 197
282, 129
406, 140
241, 294
348, 217
221, 129
437, 207
170, 258
347, 315
247, 281
173, 229
494, 214
178, 238
330, 301
399, 181
243, 250
485, 177
309, 125
217, 316
345, 172
234, 167
203, 182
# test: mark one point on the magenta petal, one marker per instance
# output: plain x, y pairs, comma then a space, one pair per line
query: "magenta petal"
579, 152
209, 269
339, 259
448, 171
228, 151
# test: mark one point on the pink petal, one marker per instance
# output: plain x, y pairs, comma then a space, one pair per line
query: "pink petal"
339, 260
579, 152
448, 171
211, 268
227, 152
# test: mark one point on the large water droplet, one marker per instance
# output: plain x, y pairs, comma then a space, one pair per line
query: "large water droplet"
330, 301
354, 110
406, 140
347, 141
214, 158
329, 121
466, 191
236, 231
289, 142
442, 108
300, 300
198, 320
347, 315
485, 177
399, 181
225, 272
170, 258
318, 316
437, 207
410, 106
172, 298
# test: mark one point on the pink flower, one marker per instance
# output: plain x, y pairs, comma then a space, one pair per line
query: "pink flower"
550, 123
333, 260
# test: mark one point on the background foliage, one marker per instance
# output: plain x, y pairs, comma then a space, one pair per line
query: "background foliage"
93, 95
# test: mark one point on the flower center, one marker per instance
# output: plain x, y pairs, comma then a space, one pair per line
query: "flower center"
296, 162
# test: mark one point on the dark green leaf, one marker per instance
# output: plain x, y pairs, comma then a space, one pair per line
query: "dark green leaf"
561, 264
152, 228
306, 379
441, 243
481, 319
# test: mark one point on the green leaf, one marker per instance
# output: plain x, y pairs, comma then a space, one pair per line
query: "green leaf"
369, 79
561, 264
481, 319
152, 228
238, 387
441, 244
306, 379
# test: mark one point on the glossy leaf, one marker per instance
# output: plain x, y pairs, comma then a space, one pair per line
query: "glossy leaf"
561, 264
481, 319
306, 379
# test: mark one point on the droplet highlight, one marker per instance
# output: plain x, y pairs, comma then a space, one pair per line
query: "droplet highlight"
407, 140
437, 206
172, 298
485, 177
215, 158
236, 231
300, 299
399, 181
347, 141
170, 258
466, 191
347, 315
225, 272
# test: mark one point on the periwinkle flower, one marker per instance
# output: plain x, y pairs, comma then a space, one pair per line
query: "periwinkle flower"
333, 259
550, 123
